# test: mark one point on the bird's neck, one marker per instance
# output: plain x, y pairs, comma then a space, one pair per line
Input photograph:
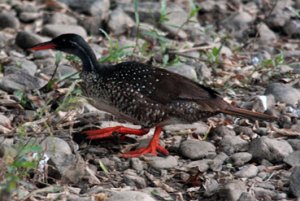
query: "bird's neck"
88, 58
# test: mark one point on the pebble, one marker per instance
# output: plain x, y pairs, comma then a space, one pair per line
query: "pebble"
129, 196
295, 143
217, 162
292, 28
293, 159
245, 196
223, 131
247, 171
20, 80
137, 164
202, 165
176, 15
270, 149
8, 20
163, 162
283, 93
184, 70
60, 18
92, 7
26, 39
195, 149
62, 163
232, 190
266, 35
231, 144
211, 186
119, 22
264, 194
54, 30
295, 182
132, 179
240, 158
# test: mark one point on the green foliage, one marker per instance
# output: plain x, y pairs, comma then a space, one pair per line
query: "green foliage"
22, 98
116, 53
19, 163
213, 55
273, 62
163, 12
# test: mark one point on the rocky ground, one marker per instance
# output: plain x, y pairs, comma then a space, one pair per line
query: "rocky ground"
246, 50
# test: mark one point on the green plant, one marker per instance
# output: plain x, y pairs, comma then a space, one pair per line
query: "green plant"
273, 62
19, 160
163, 12
213, 55
116, 53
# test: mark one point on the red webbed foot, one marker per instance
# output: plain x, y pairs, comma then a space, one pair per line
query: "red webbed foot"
152, 148
107, 132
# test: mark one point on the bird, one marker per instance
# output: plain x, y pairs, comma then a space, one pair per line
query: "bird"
142, 94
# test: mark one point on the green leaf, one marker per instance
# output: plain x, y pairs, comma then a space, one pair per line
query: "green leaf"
58, 57
102, 166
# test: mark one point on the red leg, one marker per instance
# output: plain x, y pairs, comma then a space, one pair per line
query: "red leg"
151, 148
107, 132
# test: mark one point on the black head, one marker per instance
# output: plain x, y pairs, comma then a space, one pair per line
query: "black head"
72, 44
68, 43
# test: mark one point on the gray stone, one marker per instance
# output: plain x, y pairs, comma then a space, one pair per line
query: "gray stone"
295, 182
54, 30
177, 16
264, 194
240, 158
159, 193
202, 165
20, 64
184, 70
54, 145
217, 163
211, 186
283, 93
247, 197
28, 17
202, 70
20, 80
266, 35
26, 40
292, 28
92, 7
232, 190
197, 128
163, 162
60, 18
129, 196
62, 163
137, 164
238, 20
119, 22
281, 14
247, 171
62, 71
295, 143
132, 179
223, 131
270, 149
8, 20
195, 149
149, 11
5, 121
232, 144
293, 159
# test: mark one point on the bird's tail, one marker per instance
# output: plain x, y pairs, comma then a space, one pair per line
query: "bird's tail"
235, 111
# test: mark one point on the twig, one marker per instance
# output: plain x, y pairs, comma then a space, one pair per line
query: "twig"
49, 189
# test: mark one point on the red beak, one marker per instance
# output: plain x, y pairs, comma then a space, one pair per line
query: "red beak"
43, 46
